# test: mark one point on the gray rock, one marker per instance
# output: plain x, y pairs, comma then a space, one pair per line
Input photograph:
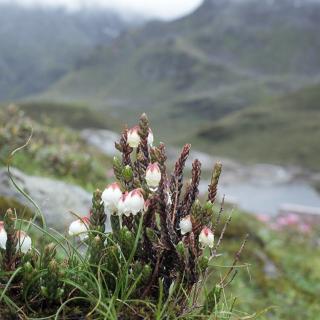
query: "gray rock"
55, 198
102, 139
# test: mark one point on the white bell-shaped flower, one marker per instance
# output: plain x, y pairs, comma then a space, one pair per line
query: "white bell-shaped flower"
134, 201
185, 225
206, 237
133, 137
24, 242
111, 196
80, 228
153, 175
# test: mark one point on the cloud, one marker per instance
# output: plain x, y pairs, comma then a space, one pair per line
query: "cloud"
166, 9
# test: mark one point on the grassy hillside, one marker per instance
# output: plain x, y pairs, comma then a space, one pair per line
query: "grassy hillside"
283, 130
222, 58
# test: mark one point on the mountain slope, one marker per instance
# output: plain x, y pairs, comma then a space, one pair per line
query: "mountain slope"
283, 130
223, 57
37, 46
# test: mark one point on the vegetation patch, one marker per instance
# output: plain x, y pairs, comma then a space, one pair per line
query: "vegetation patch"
54, 151
145, 250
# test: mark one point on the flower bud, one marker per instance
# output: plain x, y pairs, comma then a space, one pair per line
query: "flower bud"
3, 236
206, 237
80, 228
27, 267
185, 225
133, 137
153, 175
134, 201
127, 173
111, 196
24, 242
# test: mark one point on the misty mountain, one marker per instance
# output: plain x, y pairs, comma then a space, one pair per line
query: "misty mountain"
223, 57
38, 46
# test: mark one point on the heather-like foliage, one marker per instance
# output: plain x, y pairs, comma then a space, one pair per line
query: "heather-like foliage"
144, 251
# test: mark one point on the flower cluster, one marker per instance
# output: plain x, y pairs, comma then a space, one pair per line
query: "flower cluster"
288, 221
147, 236
122, 203
176, 227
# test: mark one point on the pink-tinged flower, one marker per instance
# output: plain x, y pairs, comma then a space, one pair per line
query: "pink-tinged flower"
185, 225
153, 175
292, 219
80, 228
111, 196
24, 242
206, 237
133, 137
134, 201
122, 207
282, 222
3, 236
305, 228
288, 220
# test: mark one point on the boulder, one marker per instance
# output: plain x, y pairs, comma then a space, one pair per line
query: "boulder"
55, 198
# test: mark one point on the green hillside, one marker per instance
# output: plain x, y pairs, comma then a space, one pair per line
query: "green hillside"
222, 58
282, 130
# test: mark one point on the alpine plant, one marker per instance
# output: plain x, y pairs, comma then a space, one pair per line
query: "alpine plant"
147, 227
175, 233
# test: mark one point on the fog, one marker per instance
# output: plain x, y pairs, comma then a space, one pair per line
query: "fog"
164, 9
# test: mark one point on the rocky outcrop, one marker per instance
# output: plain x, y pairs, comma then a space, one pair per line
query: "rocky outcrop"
55, 198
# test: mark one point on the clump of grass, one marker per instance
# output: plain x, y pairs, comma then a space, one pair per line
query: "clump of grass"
145, 251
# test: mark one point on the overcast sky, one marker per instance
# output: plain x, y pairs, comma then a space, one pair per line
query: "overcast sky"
166, 9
